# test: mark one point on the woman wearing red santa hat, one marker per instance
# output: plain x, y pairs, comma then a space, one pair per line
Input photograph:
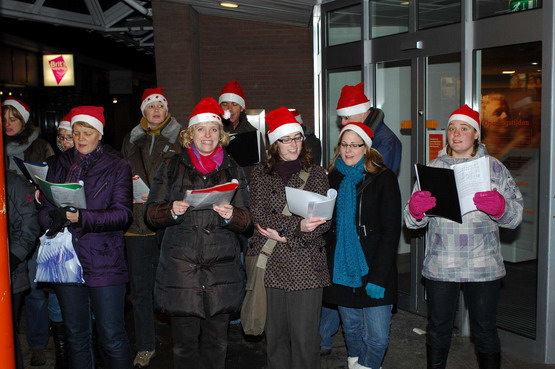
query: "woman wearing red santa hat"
296, 271
97, 235
199, 280
465, 256
21, 138
154, 139
363, 245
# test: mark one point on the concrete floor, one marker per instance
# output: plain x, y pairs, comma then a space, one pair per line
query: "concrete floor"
406, 350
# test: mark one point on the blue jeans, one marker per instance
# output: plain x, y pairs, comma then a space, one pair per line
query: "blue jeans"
329, 325
142, 256
481, 299
366, 333
107, 303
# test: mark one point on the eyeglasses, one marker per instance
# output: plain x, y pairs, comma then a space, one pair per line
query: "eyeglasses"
352, 146
65, 138
288, 140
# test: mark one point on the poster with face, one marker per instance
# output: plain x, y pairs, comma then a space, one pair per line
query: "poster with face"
510, 117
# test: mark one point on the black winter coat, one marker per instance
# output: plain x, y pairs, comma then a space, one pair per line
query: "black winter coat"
381, 216
200, 271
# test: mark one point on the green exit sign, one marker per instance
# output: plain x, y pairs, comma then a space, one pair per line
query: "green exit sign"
519, 5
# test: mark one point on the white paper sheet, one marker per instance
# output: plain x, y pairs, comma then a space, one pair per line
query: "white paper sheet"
207, 200
139, 188
310, 204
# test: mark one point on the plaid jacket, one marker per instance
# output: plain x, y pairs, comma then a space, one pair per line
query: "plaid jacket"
471, 251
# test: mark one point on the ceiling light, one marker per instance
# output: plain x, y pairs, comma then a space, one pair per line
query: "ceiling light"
229, 5
534, 63
509, 71
405, 2
115, 100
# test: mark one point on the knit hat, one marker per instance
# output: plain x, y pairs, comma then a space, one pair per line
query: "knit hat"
151, 95
467, 115
352, 101
93, 115
282, 123
360, 129
65, 123
21, 107
297, 115
207, 110
233, 92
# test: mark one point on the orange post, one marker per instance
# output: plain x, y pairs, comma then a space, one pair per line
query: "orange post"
7, 350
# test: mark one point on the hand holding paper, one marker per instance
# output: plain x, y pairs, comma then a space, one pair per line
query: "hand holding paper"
310, 224
420, 202
310, 204
490, 202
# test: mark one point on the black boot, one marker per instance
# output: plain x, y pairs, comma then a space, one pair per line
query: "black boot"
489, 361
436, 357
60, 344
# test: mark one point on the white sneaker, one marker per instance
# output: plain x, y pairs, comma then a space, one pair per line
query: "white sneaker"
352, 362
142, 360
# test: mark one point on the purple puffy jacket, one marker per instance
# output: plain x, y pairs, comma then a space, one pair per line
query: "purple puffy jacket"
98, 240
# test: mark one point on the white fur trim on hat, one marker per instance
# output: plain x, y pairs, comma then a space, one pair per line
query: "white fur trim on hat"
205, 117
20, 108
65, 124
228, 96
355, 109
95, 123
153, 98
284, 130
351, 127
466, 119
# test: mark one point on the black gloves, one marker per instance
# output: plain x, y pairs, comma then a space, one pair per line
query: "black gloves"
59, 220
14, 262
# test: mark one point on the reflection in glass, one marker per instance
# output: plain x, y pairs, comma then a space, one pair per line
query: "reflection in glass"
490, 8
443, 91
344, 25
393, 96
510, 113
434, 13
389, 17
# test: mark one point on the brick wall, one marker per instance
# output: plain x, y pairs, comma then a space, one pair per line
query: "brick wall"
177, 55
273, 63
197, 54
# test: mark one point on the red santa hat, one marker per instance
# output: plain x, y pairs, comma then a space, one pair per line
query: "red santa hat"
151, 95
65, 123
207, 110
20, 106
297, 115
467, 115
282, 123
360, 129
352, 101
233, 92
93, 115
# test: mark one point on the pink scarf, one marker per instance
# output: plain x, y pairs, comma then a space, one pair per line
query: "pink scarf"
208, 163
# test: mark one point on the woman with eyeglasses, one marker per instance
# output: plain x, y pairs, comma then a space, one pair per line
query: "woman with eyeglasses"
296, 270
362, 246
64, 139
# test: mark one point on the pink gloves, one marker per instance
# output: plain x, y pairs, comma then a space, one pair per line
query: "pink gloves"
420, 202
490, 202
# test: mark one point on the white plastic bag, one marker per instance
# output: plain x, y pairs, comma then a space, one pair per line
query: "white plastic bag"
57, 261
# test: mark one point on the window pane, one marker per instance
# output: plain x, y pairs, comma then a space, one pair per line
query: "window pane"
510, 78
389, 17
489, 8
344, 25
433, 13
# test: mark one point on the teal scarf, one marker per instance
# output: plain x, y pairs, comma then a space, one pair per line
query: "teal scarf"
349, 262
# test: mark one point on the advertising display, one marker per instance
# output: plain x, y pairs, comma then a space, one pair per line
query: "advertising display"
58, 70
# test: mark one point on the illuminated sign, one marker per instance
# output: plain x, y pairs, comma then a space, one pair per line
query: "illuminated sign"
58, 70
